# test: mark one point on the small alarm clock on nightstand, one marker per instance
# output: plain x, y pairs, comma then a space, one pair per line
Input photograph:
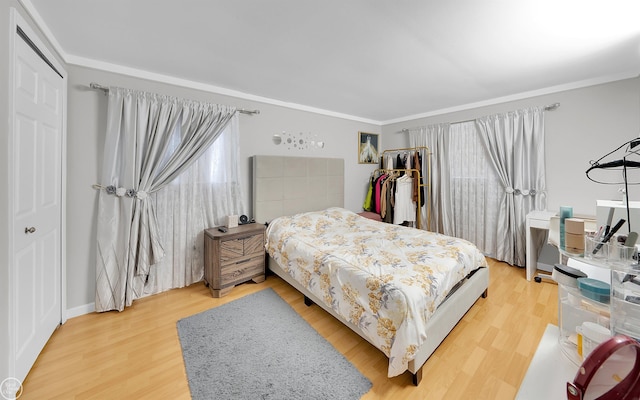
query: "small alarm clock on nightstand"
245, 220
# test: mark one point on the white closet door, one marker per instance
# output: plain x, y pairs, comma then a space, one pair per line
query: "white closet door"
36, 180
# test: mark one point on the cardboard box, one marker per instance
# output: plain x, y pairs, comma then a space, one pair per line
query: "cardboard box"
574, 226
574, 241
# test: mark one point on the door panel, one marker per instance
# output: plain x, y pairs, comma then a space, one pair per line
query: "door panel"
37, 204
50, 299
24, 203
49, 169
25, 263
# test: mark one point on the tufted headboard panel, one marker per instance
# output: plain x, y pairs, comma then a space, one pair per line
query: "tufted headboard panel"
290, 185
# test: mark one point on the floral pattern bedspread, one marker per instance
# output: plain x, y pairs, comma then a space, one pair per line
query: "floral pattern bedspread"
386, 279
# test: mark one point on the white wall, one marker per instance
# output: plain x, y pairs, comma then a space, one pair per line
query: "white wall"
590, 122
86, 128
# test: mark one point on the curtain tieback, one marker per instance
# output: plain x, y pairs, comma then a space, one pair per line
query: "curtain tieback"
524, 192
138, 194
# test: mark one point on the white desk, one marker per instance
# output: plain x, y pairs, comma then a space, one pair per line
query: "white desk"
537, 224
549, 370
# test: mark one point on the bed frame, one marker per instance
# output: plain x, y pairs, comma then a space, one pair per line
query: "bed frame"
289, 185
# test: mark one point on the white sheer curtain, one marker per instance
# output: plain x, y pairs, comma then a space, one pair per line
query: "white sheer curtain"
140, 159
199, 198
475, 188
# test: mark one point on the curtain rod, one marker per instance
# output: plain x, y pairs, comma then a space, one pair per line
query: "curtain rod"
105, 89
550, 107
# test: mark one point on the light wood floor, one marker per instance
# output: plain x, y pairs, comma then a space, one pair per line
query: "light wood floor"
136, 354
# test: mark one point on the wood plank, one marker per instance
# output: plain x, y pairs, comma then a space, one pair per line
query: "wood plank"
136, 353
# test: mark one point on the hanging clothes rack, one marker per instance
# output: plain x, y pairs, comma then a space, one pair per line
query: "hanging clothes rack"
427, 162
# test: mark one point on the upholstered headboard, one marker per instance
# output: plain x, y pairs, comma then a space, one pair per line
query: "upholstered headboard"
290, 185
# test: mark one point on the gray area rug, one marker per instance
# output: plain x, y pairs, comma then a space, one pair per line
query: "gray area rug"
258, 347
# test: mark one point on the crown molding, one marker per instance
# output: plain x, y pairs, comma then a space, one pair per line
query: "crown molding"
518, 96
142, 74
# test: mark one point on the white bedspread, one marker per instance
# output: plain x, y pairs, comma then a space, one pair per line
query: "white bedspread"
386, 279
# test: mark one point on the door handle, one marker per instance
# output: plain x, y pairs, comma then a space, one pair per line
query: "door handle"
29, 230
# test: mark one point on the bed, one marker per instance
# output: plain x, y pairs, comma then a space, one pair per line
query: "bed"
401, 289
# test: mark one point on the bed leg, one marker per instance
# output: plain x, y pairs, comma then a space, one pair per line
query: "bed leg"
417, 377
485, 293
307, 301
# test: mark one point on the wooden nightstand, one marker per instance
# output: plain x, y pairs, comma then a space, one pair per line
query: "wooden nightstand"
233, 257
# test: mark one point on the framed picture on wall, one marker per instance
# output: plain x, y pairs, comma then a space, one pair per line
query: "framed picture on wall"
368, 148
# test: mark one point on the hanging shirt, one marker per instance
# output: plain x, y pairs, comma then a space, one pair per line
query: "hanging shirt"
388, 217
407, 161
400, 163
405, 208
419, 166
368, 198
388, 162
377, 192
416, 176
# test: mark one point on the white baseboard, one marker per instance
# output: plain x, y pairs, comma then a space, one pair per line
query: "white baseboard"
80, 310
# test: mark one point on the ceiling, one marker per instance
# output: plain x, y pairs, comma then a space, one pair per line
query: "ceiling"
375, 60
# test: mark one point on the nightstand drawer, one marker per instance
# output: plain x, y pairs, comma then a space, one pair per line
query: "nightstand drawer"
235, 248
242, 271
254, 244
